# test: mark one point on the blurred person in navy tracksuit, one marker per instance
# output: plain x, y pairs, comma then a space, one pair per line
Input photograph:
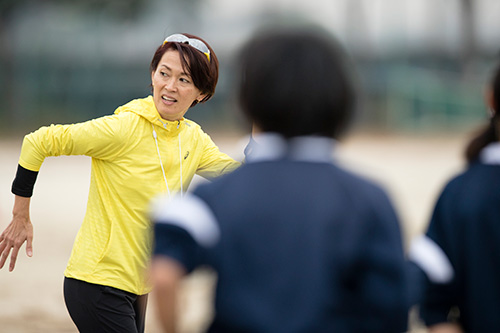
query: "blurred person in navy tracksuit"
466, 225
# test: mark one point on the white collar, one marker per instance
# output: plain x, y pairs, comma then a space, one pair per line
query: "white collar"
272, 146
490, 154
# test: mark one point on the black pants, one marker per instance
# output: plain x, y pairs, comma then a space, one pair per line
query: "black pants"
95, 308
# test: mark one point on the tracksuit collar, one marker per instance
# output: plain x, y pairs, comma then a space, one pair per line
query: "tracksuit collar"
491, 154
272, 146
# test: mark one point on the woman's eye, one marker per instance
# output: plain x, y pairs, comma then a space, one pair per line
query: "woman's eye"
184, 80
163, 74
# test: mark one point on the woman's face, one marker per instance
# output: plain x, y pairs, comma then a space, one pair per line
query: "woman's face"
173, 88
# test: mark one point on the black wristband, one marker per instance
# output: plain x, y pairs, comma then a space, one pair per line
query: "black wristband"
24, 182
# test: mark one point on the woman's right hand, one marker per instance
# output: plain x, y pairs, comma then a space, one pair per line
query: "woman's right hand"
19, 230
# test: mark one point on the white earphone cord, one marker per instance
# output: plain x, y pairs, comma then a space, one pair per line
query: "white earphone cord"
180, 162
161, 163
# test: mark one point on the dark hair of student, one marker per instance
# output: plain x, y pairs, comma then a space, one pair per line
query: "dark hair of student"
295, 82
204, 73
488, 134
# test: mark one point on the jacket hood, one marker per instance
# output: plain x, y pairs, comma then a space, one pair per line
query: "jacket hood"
144, 107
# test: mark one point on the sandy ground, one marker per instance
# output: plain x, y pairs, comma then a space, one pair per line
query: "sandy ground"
413, 169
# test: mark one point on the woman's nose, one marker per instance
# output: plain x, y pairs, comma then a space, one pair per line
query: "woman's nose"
171, 84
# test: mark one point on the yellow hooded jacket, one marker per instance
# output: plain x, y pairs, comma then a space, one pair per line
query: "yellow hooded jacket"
113, 244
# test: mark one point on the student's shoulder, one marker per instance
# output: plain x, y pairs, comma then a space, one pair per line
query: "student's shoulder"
470, 188
359, 182
474, 173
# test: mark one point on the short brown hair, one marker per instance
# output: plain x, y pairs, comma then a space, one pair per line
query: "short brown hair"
204, 73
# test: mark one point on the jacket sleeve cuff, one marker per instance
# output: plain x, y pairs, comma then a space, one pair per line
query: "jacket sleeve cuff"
24, 182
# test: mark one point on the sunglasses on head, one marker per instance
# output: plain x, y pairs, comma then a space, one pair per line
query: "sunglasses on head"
196, 43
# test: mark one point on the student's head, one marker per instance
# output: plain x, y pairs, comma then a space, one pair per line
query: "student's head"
196, 60
490, 133
295, 81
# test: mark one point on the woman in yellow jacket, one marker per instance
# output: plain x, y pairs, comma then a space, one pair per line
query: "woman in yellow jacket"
145, 148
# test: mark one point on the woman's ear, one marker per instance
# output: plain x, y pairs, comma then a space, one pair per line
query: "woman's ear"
201, 97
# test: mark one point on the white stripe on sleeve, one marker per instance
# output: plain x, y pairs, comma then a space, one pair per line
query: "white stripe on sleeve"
431, 259
189, 213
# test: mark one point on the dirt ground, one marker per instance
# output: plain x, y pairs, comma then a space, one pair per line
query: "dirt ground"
413, 169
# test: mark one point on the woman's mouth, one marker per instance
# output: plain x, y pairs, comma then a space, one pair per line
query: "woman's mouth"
168, 99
